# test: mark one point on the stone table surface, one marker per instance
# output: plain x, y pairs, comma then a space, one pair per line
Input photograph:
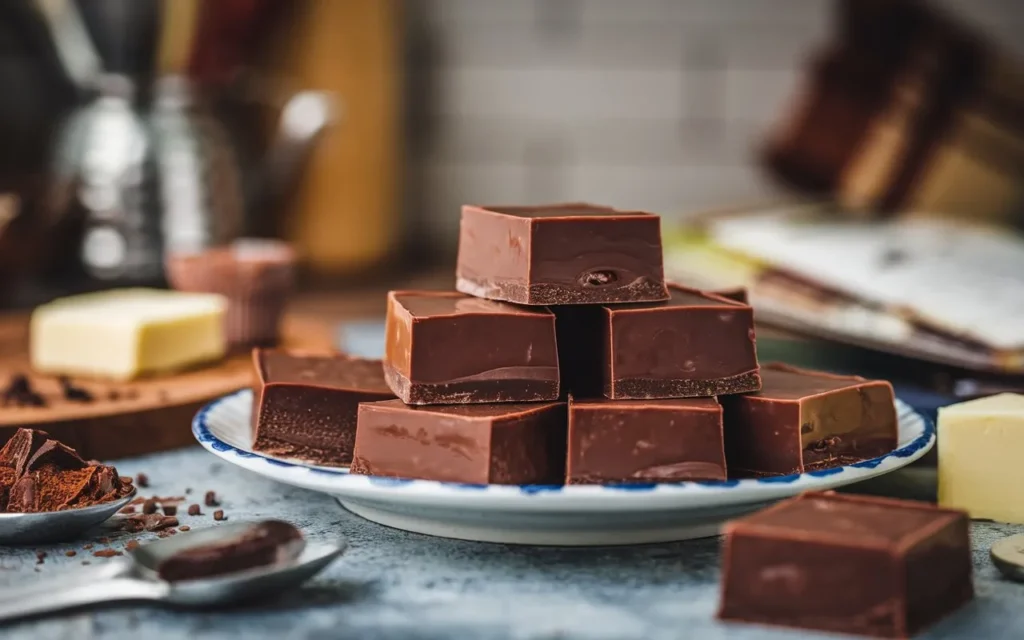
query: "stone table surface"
393, 584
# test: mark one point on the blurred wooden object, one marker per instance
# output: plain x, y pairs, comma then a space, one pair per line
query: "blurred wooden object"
133, 418
345, 216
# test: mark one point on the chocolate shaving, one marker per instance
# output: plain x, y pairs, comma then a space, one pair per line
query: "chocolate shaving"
149, 506
73, 393
170, 510
107, 553
19, 393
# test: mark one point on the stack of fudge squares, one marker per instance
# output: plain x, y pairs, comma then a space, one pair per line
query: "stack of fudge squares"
563, 357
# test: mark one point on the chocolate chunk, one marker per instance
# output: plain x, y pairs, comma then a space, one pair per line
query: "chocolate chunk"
560, 254
24, 496
193, 510
804, 420
185, 527
305, 406
449, 348
169, 509
695, 344
645, 441
20, 448
847, 564
142, 480
210, 499
219, 515
71, 553
149, 506
261, 545
56, 454
73, 393
471, 443
19, 393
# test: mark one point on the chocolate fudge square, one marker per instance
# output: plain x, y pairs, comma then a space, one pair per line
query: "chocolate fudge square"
304, 406
847, 564
695, 344
803, 420
621, 441
560, 254
450, 348
469, 443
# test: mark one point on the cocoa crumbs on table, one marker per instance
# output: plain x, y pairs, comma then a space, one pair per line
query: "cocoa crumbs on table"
71, 553
193, 510
142, 480
184, 527
219, 515
107, 553
211, 499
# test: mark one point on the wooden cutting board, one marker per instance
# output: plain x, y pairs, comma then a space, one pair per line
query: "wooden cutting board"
137, 417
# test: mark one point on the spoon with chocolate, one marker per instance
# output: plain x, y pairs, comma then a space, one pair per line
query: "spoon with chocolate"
199, 569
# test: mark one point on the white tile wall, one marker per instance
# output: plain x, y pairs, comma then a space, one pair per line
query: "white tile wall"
650, 104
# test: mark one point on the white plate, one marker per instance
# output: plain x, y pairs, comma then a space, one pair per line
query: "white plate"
543, 515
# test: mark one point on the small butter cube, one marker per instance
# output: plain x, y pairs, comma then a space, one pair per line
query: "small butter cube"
981, 448
125, 333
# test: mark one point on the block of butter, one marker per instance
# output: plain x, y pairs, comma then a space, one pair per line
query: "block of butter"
981, 457
125, 333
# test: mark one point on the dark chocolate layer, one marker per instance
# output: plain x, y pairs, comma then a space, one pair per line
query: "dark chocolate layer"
645, 441
471, 443
847, 564
560, 254
449, 348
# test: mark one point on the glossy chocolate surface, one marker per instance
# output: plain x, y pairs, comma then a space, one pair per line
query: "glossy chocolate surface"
560, 254
473, 443
450, 348
803, 420
847, 564
695, 344
264, 544
645, 441
304, 406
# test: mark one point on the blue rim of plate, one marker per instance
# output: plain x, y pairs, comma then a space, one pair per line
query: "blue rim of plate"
205, 437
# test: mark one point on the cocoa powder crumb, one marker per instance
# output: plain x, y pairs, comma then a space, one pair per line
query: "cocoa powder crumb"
193, 510
73, 393
40, 557
219, 515
71, 553
19, 393
149, 506
161, 522
132, 545
211, 499
127, 510
184, 527
142, 480
170, 510
113, 394
107, 553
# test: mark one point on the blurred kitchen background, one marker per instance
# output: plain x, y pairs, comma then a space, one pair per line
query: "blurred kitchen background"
355, 130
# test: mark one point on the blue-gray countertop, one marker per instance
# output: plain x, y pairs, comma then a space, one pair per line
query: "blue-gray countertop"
393, 584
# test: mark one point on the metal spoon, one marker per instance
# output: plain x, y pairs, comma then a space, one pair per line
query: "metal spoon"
134, 578
56, 526
1008, 556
